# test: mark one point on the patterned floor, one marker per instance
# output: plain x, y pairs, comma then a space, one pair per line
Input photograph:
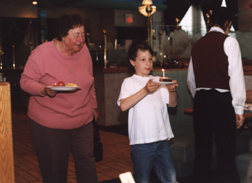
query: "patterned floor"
116, 154
116, 157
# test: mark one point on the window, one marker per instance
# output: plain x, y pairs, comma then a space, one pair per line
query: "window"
196, 25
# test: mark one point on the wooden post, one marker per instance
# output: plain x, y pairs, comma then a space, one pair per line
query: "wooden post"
6, 141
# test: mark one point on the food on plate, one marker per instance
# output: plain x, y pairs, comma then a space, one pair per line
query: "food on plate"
61, 83
165, 79
71, 85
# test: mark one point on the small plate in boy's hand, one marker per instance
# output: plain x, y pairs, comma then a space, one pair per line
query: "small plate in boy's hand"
164, 83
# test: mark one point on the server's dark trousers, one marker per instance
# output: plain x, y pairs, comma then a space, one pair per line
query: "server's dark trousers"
214, 118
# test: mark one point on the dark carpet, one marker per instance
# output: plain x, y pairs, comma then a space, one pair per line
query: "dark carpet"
112, 181
153, 181
182, 180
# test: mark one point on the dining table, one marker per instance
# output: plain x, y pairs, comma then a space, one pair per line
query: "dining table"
247, 113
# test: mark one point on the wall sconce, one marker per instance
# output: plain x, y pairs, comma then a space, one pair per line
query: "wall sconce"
148, 10
208, 19
105, 49
13, 57
177, 22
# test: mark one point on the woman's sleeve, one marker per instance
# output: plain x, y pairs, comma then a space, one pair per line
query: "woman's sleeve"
30, 77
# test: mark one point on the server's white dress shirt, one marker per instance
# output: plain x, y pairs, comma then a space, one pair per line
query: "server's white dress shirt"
235, 72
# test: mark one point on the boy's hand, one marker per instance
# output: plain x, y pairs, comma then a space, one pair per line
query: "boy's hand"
151, 86
172, 93
172, 88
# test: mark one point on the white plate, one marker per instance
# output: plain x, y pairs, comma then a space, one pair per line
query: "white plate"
164, 83
63, 88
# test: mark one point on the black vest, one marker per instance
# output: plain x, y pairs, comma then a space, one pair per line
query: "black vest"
210, 63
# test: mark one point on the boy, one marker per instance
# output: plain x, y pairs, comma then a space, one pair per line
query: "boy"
148, 121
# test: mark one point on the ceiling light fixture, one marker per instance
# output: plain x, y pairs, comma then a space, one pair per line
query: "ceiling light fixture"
148, 10
34, 2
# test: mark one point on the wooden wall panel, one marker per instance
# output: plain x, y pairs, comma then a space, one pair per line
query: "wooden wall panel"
6, 140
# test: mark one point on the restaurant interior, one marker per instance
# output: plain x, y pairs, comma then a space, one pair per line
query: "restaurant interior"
111, 26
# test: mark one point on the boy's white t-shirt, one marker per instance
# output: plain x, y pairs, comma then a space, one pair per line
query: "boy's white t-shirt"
148, 120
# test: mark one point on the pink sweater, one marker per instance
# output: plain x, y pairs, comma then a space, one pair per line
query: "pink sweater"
45, 66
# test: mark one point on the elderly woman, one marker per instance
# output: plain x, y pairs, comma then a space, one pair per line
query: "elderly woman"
61, 120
